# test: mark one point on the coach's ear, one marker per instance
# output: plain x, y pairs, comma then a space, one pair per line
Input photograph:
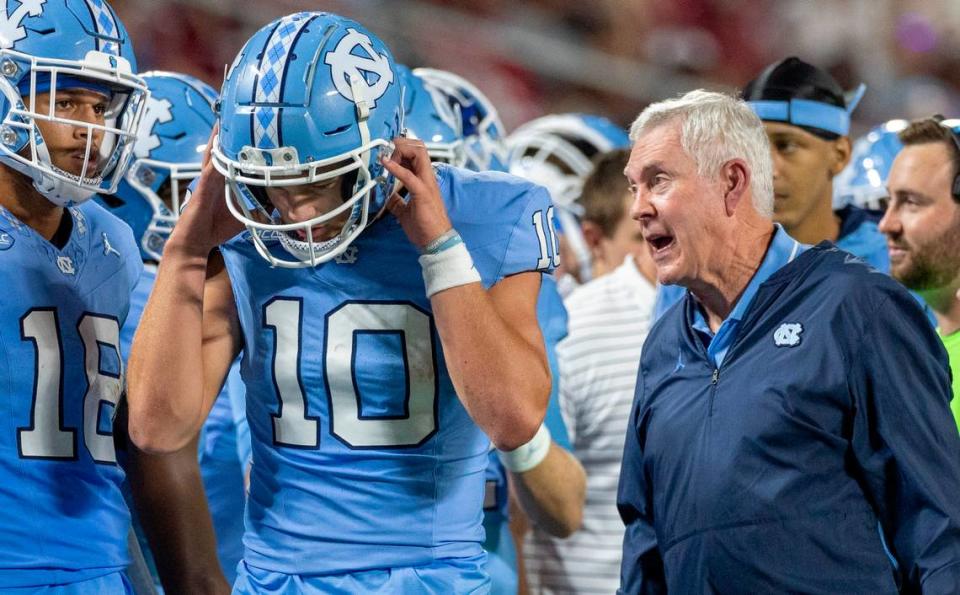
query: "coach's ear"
735, 178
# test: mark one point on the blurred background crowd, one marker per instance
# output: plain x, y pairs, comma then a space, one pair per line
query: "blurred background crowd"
608, 57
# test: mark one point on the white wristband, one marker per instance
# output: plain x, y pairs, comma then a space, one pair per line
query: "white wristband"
450, 268
530, 454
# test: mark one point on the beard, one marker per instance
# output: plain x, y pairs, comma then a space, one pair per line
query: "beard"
933, 264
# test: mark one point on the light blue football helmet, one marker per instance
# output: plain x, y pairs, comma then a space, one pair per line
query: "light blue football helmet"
428, 116
557, 152
173, 136
311, 97
483, 132
48, 46
863, 183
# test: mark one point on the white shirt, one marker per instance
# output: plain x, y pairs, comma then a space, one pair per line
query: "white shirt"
609, 318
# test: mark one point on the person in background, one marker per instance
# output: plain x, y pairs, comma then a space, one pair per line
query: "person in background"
922, 225
171, 514
548, 486
610, 234
863, 183
556, 151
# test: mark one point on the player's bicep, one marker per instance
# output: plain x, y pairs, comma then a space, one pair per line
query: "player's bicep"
222, 338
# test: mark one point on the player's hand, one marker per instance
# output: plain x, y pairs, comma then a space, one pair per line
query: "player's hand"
206, 222
422, 215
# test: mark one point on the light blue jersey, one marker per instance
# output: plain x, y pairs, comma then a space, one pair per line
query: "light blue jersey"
364, 457
63, 516
220, 465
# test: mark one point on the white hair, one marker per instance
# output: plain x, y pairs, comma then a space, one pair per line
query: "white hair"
715, 128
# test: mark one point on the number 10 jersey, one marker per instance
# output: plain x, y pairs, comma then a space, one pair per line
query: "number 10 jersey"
363, 456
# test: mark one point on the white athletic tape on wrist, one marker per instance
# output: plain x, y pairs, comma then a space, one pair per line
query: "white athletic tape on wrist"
450, 268
530, 454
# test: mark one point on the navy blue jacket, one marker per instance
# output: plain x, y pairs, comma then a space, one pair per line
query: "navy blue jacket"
829, 414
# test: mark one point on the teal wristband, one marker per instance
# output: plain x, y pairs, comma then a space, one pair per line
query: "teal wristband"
444, 242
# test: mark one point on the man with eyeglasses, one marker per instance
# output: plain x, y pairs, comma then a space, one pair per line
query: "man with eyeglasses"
922, 225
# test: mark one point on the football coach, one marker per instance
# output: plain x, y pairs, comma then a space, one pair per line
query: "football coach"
791, 429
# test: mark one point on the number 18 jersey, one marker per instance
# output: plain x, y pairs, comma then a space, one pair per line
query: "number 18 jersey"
363, 456
62, 517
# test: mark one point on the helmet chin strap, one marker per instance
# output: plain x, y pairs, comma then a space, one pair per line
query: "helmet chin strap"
60, 192
363, 114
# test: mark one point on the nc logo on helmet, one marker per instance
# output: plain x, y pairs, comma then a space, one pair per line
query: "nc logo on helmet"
157, 112
11, 29
345, 65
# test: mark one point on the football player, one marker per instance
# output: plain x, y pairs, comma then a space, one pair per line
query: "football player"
549, 481
173, 133
385, 335
557, 151
69, 112
863, 183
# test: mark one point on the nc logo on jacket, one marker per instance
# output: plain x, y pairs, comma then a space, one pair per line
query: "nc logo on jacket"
788, 334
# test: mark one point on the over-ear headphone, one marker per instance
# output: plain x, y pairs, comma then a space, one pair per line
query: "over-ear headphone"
953, 126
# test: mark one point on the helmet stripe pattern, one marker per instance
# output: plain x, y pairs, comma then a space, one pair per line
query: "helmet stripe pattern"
270, 81
106, 25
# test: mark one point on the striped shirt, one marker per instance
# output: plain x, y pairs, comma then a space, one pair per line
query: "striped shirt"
609, 320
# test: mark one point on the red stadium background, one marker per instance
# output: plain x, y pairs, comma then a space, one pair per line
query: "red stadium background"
608, 57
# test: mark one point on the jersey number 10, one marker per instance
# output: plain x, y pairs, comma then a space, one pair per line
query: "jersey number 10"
294, 426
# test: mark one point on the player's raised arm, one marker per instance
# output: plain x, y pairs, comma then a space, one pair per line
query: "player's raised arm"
188, 335
491, 341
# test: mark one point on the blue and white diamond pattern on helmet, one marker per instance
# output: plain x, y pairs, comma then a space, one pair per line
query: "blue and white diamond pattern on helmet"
270, 79
106, 26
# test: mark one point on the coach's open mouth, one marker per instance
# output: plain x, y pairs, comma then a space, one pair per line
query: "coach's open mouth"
660, 242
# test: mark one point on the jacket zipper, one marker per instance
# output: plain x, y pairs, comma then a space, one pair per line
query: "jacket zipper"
713, 389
